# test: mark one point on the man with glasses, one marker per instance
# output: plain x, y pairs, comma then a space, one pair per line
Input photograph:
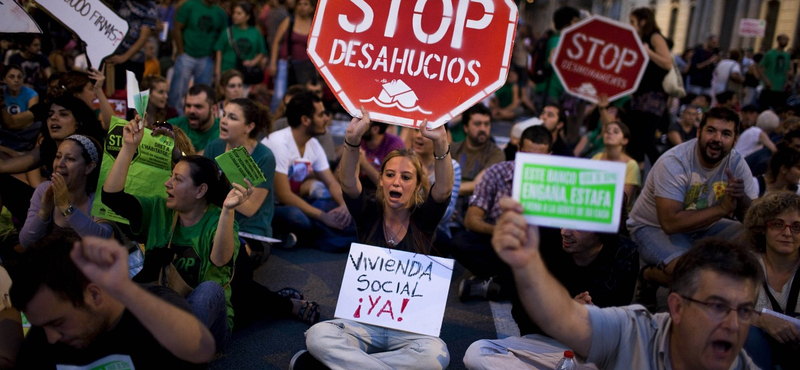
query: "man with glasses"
711, 307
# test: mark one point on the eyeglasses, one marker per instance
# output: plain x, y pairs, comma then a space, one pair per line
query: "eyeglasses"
718, 311
780, 225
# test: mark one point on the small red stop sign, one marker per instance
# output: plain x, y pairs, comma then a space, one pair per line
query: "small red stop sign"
410, 60
600, 56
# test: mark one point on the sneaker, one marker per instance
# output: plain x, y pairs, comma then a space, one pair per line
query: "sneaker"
304, 360
288, 242
476, 288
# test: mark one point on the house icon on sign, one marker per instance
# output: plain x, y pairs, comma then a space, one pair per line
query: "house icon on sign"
398, 92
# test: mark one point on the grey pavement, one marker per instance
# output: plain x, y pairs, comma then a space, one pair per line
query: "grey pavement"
270, 344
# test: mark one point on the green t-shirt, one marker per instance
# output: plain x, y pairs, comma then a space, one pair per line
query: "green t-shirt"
555, 89
249, 41
192, 244
261, 222
199, 139
505, 95
203, 24
776, 64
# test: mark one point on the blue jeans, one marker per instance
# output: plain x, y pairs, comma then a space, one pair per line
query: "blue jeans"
207, 301
281, 79
345, 344
290, 219
658, 248
186, 67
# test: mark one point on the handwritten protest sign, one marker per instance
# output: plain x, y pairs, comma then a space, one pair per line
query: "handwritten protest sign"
150, 168
16, 19
394, 289
237, 165
566, 192
95, 23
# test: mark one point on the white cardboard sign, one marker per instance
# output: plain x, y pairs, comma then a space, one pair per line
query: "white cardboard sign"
395, 289
95, 23
572, 193
749, 27
13, 19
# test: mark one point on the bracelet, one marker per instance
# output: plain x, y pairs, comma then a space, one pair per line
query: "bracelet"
350, 148
351, 145
443, 155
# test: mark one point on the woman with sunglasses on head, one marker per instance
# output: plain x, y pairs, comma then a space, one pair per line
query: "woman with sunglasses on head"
772, 225
66, 200
192, 226
401, 217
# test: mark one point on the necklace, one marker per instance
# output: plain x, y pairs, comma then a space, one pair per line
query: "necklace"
391, 241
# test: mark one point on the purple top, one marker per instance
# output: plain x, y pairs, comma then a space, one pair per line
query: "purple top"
36, 229
375, 156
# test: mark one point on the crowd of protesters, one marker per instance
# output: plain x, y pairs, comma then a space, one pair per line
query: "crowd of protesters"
711, 210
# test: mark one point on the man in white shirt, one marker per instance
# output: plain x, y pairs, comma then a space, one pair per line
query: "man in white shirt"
309, 197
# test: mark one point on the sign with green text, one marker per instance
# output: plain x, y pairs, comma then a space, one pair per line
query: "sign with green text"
569, 193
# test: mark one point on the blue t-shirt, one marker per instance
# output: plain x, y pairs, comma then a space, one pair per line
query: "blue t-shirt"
19, 103
261, 222
138, 13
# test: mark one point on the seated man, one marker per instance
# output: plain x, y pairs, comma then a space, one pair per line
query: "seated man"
471, 247
309, 197
199, 121
87, 313
711, 303
553, 119
689, 193
476, 153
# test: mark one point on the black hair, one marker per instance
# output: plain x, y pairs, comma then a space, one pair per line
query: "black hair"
538, 135
562, 114
725, 257
725, 97
256, 113
750, 108
302, 104
724, 114
204, 170
84, 116
26, 39
563, 17
382, 126
10, 68
473, 110
198, 89
649, 17
47, 263
785, 156
247, 8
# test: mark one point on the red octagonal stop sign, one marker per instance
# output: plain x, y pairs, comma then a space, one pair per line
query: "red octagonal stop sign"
600, 56
410, 60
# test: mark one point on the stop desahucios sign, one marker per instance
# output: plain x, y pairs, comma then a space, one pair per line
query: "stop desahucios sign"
600, 56
410, 60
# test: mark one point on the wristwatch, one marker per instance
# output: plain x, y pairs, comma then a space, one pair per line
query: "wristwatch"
68, 211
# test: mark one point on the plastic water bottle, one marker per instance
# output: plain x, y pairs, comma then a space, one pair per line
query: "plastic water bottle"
567, 362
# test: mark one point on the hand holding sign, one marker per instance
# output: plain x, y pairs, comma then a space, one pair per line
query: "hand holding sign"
358, 127
513, 239
95, 23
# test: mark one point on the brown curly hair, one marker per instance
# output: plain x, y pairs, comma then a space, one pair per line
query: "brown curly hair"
762, 211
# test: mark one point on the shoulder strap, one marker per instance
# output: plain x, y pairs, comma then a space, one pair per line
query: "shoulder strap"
289, 37
233, 43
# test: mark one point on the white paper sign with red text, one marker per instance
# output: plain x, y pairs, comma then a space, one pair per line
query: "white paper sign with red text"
395, 289
410, 60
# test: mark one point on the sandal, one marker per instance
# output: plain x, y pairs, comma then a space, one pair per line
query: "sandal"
646, 291
290, 293
309, 313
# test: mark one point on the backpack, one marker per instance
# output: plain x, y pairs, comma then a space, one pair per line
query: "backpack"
540, 70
